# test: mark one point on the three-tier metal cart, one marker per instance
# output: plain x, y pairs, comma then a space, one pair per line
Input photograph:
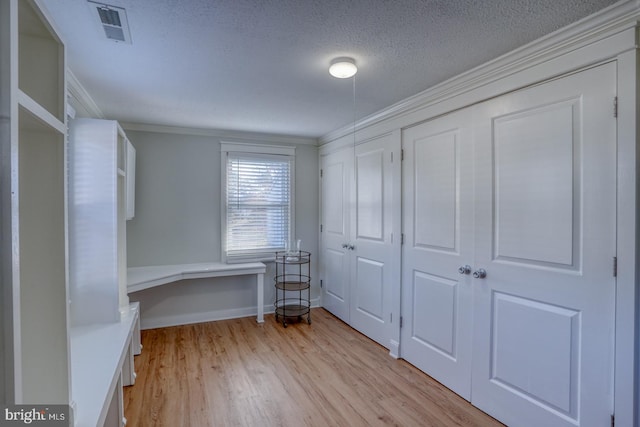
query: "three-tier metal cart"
293, 286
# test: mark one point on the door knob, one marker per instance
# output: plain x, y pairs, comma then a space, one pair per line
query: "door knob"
480, 273
465, 269
351, 247
345, 246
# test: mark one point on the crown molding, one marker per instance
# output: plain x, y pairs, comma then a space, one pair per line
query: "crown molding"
230, 135
77, 91
612, 20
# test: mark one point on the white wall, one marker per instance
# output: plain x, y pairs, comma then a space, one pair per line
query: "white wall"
178, 221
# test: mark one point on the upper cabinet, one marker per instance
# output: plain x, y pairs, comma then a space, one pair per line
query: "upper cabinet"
35, 354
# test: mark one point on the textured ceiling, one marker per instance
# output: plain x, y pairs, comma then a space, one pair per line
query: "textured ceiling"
261, 65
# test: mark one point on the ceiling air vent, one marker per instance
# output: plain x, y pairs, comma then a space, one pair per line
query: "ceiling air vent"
113, 20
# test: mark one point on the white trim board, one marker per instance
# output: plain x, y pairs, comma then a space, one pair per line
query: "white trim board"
627, 335
243, 147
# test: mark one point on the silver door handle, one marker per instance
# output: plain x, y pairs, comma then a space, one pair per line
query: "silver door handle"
351, 247
481, 273
345, 246
465, 269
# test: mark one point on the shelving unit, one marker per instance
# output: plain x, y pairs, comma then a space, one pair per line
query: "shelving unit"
97, 227
104, 326
50, 354
35, 352
292, 279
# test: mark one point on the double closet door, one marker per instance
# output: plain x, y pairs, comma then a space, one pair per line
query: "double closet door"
509, 214
356, 239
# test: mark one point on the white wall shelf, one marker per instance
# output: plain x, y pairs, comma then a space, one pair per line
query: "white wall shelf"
41, 69
29, 104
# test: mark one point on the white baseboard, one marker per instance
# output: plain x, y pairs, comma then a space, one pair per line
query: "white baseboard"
394, 349
207, 316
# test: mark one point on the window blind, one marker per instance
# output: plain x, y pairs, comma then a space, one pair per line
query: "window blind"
258, 199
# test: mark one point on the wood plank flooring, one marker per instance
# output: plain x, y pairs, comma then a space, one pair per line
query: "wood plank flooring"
240, 373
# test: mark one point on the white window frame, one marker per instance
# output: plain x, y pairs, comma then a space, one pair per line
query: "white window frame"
253, 149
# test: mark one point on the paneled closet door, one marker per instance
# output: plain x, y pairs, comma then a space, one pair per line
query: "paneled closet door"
336, 178
438, 249
545, 235
370, 244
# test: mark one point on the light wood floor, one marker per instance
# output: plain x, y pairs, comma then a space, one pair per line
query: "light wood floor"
240, 373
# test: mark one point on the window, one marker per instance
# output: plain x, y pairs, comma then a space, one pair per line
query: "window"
257, 214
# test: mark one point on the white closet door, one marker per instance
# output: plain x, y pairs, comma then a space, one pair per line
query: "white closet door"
370, 244
437, 221
545, 210
336, 177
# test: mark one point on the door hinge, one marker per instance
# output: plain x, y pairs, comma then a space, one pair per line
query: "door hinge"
321, 172
401, 321
613, 420
392, 157
320, 282
615, 266
321, 228
402, 154
615, 107
402, 239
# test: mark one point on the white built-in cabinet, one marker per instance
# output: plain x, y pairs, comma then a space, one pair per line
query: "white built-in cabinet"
105, 327
98, 164
67, 338
35, 350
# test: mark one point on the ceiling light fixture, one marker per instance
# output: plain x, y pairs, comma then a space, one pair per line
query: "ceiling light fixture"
343, 68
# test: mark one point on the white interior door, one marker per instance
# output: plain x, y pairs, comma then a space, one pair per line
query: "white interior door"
335, 182
545, 234
438, 228
370, 244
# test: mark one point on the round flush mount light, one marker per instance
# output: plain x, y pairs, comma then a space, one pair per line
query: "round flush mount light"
343, 68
